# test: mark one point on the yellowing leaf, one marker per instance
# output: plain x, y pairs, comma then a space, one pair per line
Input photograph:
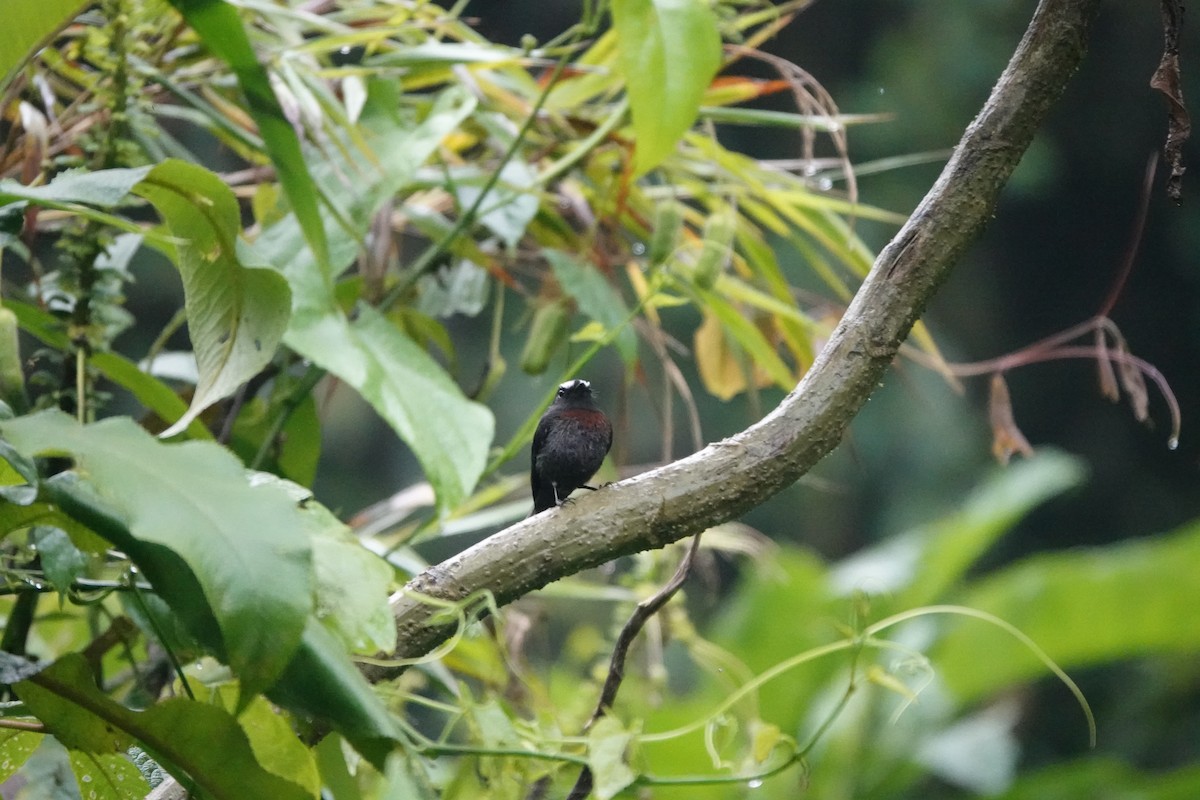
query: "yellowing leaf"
1006, 436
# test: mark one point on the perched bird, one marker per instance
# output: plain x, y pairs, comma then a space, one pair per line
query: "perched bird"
570, 443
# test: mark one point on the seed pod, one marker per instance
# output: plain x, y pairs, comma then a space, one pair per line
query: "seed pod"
668, 219
547, 332
719, 231
12, 379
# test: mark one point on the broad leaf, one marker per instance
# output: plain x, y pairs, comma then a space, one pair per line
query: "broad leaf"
448, 434
27, 24
669, 51
608, 742
187, 516
322, 683
107, 776
195, 741
236, 314
15, 749
1083, 607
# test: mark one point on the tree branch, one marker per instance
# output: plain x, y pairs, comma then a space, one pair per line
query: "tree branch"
732, 476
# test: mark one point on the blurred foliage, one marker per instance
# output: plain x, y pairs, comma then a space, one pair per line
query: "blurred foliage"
337, 185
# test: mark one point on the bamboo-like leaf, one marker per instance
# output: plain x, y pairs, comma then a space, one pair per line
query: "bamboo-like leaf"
219, 25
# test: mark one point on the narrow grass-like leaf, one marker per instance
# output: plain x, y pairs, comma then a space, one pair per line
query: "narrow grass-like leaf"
596, 298
218, 24
669, 51
188, 508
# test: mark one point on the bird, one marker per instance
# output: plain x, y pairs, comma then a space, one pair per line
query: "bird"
569, 445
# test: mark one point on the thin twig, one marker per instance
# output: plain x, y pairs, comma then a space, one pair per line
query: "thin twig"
616, 666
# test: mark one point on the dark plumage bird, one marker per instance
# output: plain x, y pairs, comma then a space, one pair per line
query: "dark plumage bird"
570, 443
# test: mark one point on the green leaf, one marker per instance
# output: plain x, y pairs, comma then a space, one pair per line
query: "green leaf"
62, 561
323, 684
596, 298
447, 433
219, 25
921, 566
28, 24
149, 390
607, 743
204, 537
18, 476
1105, 777
192, 740
668, 52
276, 747
15, 749
509, 206
104, 188
236, 314
352, 587
1082, 607
107, 776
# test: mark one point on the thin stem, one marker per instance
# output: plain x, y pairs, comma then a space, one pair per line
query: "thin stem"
616, 669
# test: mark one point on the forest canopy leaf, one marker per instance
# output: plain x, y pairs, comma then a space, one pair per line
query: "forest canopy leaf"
1083, 607
668, 52
244, 545
219, 25
448, 433
191, 739
236, 314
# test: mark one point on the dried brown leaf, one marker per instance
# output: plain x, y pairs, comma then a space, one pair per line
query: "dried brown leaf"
1006, 436
1134, 385
1104, 368
1166, 79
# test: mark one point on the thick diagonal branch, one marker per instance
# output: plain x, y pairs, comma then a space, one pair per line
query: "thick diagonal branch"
732, 476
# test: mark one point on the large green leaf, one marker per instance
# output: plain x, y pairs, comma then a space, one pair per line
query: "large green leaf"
107, 776
27, 24
195, 741
236, 314
669, 51
219, 25
204, 537
322, 683
920, 566
1108, 778
448, 434
1083, 607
